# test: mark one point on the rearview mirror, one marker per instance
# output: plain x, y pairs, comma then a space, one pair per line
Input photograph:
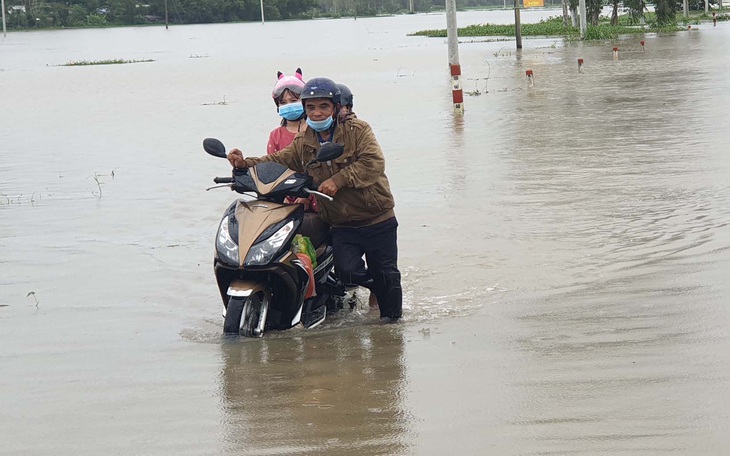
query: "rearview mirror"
214, 147
329, 151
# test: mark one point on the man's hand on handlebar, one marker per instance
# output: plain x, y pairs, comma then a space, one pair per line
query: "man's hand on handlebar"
328, 187
235, 157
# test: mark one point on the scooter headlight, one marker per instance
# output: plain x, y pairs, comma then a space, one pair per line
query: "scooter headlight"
227, 247
263, 252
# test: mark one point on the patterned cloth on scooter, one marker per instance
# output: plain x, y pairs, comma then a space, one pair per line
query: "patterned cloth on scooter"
304, 250
314, 228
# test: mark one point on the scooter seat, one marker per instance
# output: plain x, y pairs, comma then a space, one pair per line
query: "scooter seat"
314, 228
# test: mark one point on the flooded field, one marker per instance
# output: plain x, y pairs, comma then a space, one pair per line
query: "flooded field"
565, 247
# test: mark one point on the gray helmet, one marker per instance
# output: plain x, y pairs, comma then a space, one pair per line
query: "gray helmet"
321, 88
345, 95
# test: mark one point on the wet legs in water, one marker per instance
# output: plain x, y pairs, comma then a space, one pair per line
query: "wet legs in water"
379, 245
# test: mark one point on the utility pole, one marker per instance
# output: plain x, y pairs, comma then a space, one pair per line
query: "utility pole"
583, 19
3, 6
410, 7
685, 5
452, 36
642, 21
262, 11
518, 26
166, 27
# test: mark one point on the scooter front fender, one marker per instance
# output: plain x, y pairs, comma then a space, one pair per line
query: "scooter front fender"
244, 288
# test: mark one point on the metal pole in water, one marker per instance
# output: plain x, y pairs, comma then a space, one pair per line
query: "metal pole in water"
583, 19
518, 27
452, 35
166, 22
262, 11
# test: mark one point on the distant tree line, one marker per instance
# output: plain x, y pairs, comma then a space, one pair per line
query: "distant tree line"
99, 13
665, 10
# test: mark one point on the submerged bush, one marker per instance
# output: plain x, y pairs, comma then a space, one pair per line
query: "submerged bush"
548, 27
103, 62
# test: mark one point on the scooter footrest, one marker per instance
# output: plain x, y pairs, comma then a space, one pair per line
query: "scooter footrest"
314, 317
333, 287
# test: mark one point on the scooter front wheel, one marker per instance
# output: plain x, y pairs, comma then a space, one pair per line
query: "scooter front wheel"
242, 316
234, 310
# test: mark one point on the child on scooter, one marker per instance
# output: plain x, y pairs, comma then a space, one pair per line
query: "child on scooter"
286, 95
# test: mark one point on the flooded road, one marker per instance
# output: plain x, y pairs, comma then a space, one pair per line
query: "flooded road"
564, 246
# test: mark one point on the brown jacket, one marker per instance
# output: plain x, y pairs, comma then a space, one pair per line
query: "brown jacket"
364, 196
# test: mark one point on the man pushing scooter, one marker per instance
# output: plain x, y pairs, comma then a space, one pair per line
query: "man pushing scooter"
361, 215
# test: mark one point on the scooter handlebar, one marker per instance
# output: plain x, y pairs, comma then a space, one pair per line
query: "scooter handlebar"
320, 194
223, 180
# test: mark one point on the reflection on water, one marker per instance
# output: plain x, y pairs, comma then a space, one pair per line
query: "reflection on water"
336, 392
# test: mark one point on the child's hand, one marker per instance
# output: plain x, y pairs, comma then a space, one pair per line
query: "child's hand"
303, 201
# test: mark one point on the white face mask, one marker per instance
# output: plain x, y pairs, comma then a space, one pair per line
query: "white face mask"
320, 125
291, 111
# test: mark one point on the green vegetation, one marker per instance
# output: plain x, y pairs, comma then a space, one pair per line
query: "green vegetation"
29, 14
103, 62
549, 27
23, 14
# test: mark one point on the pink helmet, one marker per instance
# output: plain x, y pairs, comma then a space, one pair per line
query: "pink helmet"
293, 83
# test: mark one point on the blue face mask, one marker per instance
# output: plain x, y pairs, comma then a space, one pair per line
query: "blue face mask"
291, 111
320, 125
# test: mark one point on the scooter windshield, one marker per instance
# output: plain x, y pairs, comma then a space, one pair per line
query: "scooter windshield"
270, 171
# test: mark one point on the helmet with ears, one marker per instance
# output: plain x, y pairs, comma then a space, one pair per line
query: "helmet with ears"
294, 84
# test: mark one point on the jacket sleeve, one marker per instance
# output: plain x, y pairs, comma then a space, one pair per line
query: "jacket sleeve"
288, 156
368, 165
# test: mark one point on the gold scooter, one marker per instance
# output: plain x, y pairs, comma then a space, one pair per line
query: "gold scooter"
261, 281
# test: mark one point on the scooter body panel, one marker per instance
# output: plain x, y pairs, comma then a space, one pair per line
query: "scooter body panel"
254, 217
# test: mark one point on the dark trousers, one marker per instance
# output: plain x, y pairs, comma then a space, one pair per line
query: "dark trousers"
379, 244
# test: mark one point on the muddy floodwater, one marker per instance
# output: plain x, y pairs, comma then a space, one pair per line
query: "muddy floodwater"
565, 246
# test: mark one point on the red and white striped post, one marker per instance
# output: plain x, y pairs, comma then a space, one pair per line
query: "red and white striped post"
457, 93
452, 36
